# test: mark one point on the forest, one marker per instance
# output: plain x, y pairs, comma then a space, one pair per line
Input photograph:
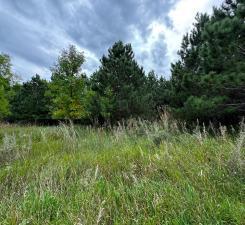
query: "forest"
207, 82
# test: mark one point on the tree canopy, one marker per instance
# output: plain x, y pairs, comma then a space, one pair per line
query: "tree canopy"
67, 87
122, 82
30, 100
207, 82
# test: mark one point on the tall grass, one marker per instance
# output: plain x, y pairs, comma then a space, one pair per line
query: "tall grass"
135, 173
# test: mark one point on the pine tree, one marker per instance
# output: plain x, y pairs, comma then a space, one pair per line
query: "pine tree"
122, 82
208, 82
29, 101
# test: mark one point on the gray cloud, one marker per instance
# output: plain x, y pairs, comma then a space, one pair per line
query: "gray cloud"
34, 32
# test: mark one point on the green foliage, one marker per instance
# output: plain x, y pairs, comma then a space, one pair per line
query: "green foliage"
99, 107
30, 101
4, 104
200, 107
158, 90
67, 86
208, 82
5, 67
122, 82
5, 79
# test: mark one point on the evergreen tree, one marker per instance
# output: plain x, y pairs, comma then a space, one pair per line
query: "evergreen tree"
208, 82
158, 89
121, 83
29, 100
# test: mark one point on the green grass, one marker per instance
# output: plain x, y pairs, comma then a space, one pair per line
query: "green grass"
148, 174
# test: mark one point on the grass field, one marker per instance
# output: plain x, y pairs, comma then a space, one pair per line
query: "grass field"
139, 174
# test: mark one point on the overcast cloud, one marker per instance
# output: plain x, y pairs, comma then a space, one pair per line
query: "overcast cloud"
33, 32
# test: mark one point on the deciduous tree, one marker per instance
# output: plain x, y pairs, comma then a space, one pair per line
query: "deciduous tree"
68, 86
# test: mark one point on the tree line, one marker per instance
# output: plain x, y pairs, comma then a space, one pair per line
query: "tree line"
207, 82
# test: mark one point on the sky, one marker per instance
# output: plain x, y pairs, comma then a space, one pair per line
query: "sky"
34, 32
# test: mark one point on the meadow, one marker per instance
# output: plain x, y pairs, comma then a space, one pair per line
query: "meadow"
139, 173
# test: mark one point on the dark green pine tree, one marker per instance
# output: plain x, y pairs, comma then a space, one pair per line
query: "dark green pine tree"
29, 101
122, 82
208, 82
158, 89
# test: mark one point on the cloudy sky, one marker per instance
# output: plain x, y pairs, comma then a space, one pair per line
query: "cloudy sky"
33, 32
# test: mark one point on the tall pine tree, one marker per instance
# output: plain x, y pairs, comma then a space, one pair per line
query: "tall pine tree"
208, 82
122, 82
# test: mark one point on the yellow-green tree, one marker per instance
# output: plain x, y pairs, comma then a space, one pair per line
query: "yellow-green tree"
68, 86
5, 78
